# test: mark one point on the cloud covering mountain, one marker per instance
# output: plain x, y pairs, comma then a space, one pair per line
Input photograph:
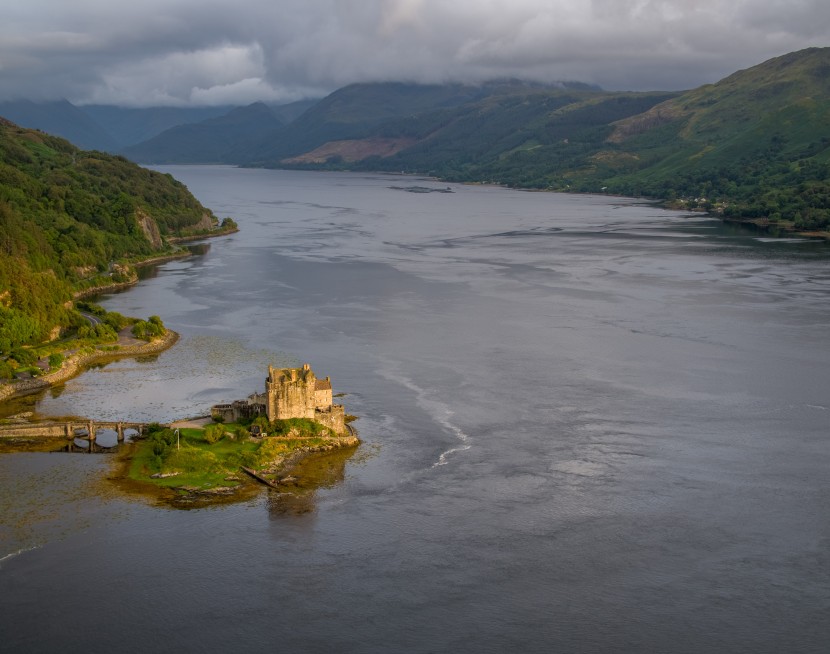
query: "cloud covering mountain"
209, 52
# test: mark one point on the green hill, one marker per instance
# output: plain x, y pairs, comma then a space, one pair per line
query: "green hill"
518, 136
68, 220
754, 146
62, 118
208, 141
377, 111
131, 125
353, 112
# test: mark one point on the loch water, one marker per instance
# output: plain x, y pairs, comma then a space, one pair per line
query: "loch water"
589, 425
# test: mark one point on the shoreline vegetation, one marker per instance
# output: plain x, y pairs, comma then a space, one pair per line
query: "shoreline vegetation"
210, 459
73, 350
78, 223
75, 364
775, 228
206, 462
155, 260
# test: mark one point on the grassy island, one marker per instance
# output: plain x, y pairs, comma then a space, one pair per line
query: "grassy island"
210, 459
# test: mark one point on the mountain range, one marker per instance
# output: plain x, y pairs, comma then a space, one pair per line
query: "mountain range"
111, 129
755, 145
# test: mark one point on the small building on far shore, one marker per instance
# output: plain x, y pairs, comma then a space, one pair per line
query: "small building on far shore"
289, 393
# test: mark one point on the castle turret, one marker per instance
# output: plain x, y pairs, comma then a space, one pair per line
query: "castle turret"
297, 393
291, 393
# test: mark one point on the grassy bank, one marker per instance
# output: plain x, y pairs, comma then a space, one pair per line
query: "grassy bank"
209, 460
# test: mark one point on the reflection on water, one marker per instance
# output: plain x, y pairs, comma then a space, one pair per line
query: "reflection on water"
201, 370
321, 470
593, 425
53, 496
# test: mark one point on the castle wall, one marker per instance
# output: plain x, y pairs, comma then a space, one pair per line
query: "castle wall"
223, 413
237, 410
333, 417
289, 393
322, 393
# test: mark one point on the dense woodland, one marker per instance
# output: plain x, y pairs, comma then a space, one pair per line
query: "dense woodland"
70, 219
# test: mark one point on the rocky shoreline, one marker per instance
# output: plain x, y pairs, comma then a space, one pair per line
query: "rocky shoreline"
293, 477
172, 256
75, 364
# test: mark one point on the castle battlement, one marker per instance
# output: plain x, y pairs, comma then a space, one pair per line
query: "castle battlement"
289, 393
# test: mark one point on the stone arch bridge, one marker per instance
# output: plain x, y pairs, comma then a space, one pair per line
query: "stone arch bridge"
71, 430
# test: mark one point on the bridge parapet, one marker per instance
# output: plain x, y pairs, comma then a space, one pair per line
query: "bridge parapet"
67, 429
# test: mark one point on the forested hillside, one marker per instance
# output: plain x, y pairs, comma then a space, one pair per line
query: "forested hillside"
756, 145
208, 141
70, 219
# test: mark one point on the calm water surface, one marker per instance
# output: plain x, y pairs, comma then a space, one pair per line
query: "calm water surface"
589, 425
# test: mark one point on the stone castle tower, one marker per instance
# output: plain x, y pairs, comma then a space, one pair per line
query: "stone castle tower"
298, 393
289, 393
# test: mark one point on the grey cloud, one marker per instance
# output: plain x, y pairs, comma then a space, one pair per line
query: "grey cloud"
197, 51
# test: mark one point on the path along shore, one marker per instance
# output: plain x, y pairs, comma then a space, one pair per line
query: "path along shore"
74, 364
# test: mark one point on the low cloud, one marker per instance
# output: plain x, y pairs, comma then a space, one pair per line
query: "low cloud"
181, 52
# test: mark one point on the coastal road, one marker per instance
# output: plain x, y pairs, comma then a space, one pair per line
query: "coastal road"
91, 318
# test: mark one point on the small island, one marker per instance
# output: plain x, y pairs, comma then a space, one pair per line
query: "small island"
261, 437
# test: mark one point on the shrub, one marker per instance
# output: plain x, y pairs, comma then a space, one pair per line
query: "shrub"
214, 433
269, 450
139, 329
104, 332
303, 426
148, 329
116, 320
24, 357
55, 360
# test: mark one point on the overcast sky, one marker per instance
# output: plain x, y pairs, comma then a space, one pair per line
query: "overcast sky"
207, 52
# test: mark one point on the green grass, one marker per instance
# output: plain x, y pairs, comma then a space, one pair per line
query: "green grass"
203, 465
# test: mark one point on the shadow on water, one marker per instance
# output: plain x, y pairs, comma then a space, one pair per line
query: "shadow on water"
313, 472
322, 470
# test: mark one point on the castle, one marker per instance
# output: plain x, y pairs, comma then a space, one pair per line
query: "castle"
289, 393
